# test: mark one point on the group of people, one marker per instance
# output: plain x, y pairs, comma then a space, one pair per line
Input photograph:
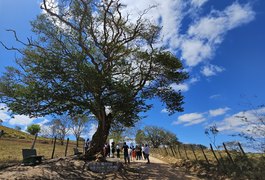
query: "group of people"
131, 153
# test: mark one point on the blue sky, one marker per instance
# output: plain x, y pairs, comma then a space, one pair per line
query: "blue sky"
221, 44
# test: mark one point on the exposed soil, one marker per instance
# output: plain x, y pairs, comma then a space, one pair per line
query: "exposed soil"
69, 168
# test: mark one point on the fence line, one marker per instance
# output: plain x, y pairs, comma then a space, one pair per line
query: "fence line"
199, 154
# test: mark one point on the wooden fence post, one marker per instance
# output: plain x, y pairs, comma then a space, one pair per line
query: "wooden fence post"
66, 148
174, 149
185, 151
165, 150
227, 152
33, 143
53, 147
204, 155
179, 152
214, 154
194, 153
241, 149
173, 154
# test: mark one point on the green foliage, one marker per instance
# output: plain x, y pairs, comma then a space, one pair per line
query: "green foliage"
79, 68
33, 129
78, 125
60, 126
140, 137
157, 136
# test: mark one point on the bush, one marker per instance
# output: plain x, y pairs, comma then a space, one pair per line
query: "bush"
33, 129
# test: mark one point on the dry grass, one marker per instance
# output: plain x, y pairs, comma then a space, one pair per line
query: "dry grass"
13, 141
11, 149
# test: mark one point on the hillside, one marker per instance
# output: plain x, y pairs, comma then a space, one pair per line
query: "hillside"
13, 133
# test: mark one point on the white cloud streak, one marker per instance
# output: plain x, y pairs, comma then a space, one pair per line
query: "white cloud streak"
199, 42
234, 124
218, 112
190, 119
22, 120
211, 70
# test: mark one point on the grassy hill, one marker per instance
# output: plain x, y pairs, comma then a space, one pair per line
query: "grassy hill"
13, 141
13, 133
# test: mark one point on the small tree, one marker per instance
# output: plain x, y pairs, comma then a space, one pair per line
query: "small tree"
33, 129
211, 132
78, 126
61, 127
1, 121
253, 121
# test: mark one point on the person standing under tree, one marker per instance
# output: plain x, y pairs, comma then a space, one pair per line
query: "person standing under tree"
118, 150
87, 145
126, 153
146, 152
112, 149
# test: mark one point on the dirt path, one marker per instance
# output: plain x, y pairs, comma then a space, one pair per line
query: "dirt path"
158, 169
68, 168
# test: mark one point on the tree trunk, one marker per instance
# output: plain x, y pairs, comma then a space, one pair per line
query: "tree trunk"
100, 136
77, 139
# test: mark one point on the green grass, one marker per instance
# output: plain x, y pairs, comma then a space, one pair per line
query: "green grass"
13, 141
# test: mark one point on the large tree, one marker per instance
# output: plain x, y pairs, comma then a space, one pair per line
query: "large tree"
157, 136
89, 56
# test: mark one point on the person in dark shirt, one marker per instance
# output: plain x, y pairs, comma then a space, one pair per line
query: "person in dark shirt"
126, 153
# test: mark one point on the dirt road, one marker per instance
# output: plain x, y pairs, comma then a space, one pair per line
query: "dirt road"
158, 169
68, 168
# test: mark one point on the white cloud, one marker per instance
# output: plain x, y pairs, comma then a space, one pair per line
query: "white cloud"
234, 124
44, 122
218, 112
190, 119
164, 110
92, 130
195, 51
4, 115
209, 31
215, 96
211, 70
180, 87
21, 120
193, 80
198, 3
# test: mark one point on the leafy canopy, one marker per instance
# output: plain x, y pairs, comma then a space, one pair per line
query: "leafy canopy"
33, 129
89, 55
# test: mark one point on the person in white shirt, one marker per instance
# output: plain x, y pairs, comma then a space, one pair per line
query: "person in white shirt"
146, 152
143, 151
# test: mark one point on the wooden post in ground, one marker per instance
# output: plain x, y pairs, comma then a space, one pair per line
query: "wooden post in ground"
165, 150
54, 142
194, 153
241, 149
214, 154
204, 155
185, 151
174, 149
171, 148
33, 143
179, 152
227, 152
66, 148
